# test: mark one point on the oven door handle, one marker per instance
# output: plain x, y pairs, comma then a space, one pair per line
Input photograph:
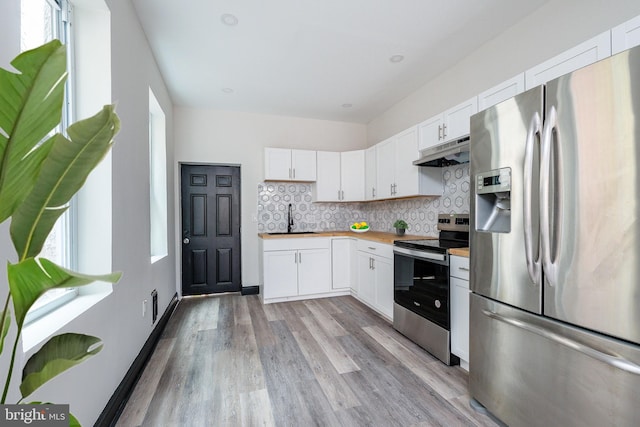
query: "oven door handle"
420, 254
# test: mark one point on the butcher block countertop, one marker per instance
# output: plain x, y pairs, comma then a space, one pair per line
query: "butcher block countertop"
376, 236
460, 252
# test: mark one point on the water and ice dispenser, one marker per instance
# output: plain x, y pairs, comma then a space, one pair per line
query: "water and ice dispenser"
493, 201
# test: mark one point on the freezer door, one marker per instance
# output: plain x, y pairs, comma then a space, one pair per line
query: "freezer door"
590, 210
532, 371
505, 265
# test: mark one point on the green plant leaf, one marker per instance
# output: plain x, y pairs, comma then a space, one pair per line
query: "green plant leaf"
73, 421
31, 278
56, 356
62, 174
6, 323
30, 108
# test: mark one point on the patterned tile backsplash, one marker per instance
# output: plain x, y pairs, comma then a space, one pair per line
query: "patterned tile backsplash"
420, 213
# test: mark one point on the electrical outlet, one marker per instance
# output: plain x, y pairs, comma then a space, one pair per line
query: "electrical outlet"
144, 308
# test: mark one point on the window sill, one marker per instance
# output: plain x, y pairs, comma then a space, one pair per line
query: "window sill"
157, 258
41, 329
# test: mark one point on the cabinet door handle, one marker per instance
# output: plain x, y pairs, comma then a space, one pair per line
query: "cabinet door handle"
373, 192
342, 194
300, 257
444, 131
290, 173
294, 173
372, 248
439, 132
463, 268
373, 263
338, 194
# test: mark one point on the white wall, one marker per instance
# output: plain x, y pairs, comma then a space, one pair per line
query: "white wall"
117, 319
224, 137
555, 27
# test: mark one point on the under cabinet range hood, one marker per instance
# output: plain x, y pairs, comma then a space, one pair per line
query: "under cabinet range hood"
447, 154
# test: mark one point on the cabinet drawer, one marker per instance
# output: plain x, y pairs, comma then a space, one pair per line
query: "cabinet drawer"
459, 267
296, 243
375, 248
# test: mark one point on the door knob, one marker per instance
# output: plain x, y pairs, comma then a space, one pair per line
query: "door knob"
186, 240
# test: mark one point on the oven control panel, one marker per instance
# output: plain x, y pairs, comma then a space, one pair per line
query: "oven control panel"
453, 222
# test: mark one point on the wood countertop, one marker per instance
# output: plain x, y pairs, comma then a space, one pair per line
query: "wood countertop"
375, 236
460, 252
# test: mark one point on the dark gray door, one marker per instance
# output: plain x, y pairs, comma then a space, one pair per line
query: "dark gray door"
210, 229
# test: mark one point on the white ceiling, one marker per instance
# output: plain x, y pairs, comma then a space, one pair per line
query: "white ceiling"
307, 58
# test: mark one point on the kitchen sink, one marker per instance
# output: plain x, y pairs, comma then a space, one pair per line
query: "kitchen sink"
293, 232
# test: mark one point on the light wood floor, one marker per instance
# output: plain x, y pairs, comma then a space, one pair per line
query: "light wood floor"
231, 361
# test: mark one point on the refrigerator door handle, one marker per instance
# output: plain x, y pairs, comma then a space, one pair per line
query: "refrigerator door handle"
548, 265
533, 260
601, 355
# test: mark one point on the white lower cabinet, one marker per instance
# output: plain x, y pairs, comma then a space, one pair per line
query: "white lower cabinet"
366, 279
343, 258
314, 271
383, 270
310, 267
280, 274
375, 276
459, 291
296, 267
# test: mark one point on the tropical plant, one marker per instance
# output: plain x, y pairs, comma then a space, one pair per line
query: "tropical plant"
400, 224
39, 174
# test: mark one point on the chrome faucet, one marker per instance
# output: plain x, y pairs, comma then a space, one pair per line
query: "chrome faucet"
289, 220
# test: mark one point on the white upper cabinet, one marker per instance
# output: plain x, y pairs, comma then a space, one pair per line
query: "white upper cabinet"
277, 164
327, 187
505, 90
625, 36
456, 119
448, 126
580, 56
370, 174
352, 175
303, 163
340, 176
385, 161
406, 176
430, 132
283, 164
397, 176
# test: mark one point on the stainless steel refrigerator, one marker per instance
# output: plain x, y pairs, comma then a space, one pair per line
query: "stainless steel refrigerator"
555, 251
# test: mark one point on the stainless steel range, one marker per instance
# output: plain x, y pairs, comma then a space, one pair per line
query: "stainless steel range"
421, 309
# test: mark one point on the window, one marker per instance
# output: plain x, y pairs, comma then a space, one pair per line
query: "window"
157, 179
41, 22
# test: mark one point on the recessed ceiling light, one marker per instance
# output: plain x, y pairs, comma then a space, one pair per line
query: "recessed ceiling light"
347, 105
227, 90
229, 19
396, 58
